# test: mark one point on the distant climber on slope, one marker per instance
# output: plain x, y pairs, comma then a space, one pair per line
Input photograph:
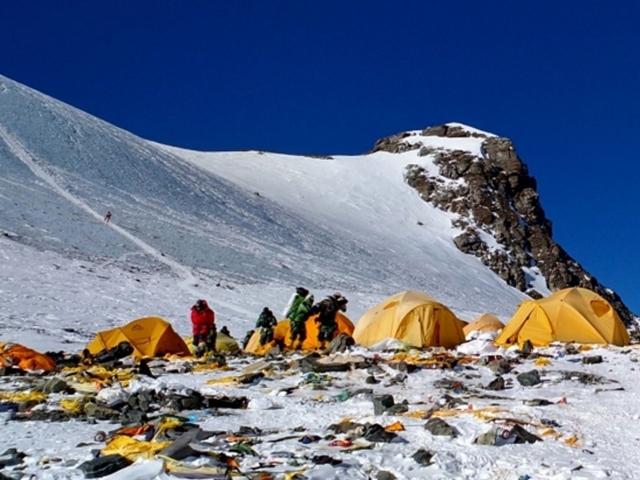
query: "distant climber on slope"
203, 323
327, 310
266, 322
107, 217
298, 312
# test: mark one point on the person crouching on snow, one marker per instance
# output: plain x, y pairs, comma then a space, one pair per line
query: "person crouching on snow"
327, 310
203, 323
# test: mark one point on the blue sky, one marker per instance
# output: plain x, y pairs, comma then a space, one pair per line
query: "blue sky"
560, 78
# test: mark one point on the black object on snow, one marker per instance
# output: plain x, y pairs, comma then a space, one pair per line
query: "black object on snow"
382, 403
423, 457
529, 379
103, 466
437, 426
497, 383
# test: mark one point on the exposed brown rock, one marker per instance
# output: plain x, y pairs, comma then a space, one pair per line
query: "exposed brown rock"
498, 196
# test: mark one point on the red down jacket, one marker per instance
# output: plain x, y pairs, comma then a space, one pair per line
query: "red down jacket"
202, 320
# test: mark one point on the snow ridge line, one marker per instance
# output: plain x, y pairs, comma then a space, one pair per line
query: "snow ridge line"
26, 157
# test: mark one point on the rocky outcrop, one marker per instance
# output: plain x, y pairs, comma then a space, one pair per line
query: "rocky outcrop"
395, 144
498, 210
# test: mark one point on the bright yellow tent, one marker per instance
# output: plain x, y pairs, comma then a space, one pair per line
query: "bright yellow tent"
570, 315
487, 322
413, 318
282, 335
226, 344
149, 337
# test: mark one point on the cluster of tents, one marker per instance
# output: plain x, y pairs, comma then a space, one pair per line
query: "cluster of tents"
572, 315
576, 315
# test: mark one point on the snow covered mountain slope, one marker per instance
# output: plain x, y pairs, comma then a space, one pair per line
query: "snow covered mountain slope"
241, 228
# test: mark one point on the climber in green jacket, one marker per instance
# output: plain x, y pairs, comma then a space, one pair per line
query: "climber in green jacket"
297, 313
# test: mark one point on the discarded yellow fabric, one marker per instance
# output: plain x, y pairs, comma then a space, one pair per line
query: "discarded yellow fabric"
133, 449
415, 414
168, 423
571, 440
207, 367
549, 432
73, 405
542, 361
26, 396
179, 468
395, 427
223, 380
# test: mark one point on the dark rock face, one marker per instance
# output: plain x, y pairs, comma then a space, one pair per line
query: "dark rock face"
494, 196
394, 144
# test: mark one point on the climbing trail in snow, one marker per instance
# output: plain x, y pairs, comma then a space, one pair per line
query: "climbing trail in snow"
187, 279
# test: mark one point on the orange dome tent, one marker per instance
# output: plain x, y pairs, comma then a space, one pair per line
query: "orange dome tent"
571, 315
13, 354
149, 337
487, 322
282, 335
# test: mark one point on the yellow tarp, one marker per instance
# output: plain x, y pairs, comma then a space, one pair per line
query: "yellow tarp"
73, 405
133, 449
414, 318
572, 315
149, 337
26, 396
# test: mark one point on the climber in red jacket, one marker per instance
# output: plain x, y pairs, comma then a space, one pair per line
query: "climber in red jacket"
203, 322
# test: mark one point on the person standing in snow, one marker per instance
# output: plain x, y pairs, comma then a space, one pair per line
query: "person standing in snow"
266, 322
203, 323
297, 313
107, 217
327, 310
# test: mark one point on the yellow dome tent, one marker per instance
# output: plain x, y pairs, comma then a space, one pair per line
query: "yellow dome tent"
487, 322
413, 318
282, 335
570, 315
149, 337
226, 344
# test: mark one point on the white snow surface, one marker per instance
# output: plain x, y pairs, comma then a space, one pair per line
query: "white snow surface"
242, 229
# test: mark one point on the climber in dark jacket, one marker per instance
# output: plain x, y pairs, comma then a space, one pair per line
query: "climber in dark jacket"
327, 310
266, 322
